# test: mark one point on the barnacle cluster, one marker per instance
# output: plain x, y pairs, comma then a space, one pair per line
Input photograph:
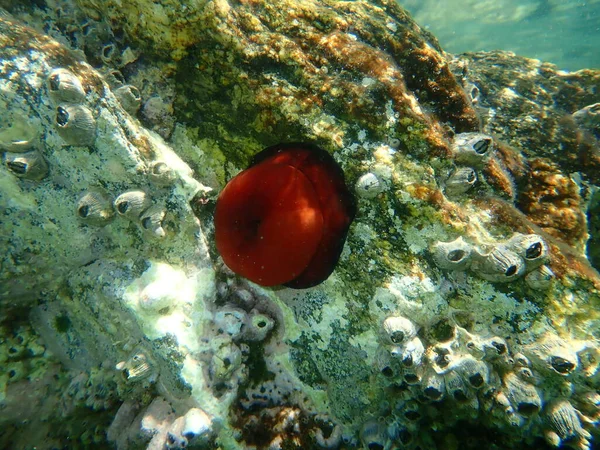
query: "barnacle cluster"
528, 386
502, 262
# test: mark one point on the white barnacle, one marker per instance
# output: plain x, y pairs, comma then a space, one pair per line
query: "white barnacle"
472, 149
75, 124
95, 208
161, 174
369, 186
132, 204
197, 423
565, 424
373, 434
151, 221
499, 265
29, 165
138, 367
455, 387
475, 372
65, 87
20, 136
454, 255
130, 98
398, 329
460, 181
259, 326
522, 395
531, 247
434, 386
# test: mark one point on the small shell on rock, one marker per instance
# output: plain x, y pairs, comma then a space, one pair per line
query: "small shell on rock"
472, 148
130, 98
65, 87
369, 186
95, 208
501, 265
76, 124
151, 221
137, 367
522, 395
531, 247
30, 165
460, 181
455, 255
441, 357
565, 424
20, 136
540, 278
398, 329
131, 204
161, 174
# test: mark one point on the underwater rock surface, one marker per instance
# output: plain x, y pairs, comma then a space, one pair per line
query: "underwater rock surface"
464, 308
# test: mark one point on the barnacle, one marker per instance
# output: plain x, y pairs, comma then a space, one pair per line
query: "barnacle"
522, 395
565, 424
398, 329
539, 278
131, 204
460, 181
531, 247
472, 148
139, 366
30, 165
95, 208
65, 87
76, 124
500, 265
161, 174
474, 371
151, 221
455, 255
369, 186
130, 98
434, 386
373, 435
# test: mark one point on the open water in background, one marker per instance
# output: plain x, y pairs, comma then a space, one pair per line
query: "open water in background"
563, 32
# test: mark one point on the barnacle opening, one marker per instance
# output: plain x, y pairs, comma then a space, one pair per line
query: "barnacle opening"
482, 146
62, 116
534, 251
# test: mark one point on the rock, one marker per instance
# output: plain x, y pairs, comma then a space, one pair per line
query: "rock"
134, 312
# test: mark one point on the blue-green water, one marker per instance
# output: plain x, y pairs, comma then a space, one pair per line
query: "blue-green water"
566, 33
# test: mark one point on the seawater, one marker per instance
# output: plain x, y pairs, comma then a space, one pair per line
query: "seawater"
563, 32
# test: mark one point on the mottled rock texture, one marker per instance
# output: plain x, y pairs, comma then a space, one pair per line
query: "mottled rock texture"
140, 316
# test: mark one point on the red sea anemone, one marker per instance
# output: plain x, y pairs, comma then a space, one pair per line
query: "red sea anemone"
284, 219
